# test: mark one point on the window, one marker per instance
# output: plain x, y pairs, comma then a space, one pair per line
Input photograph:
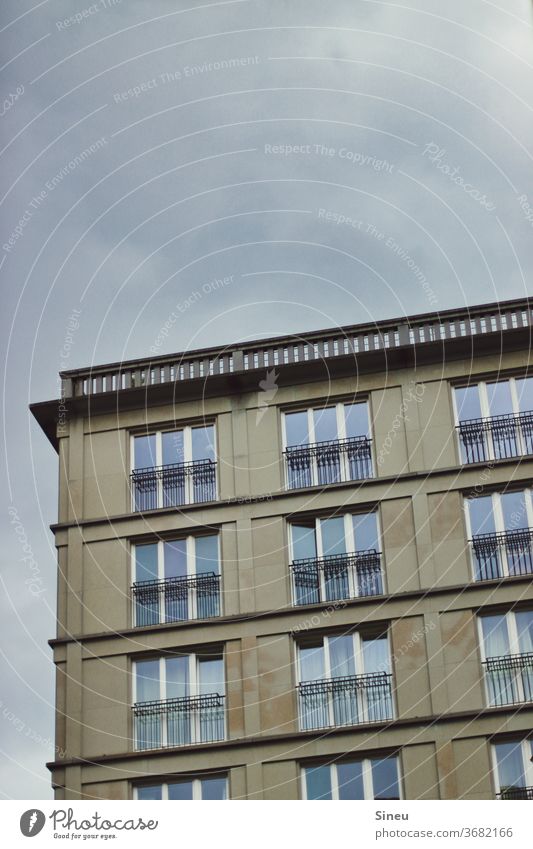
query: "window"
176, 580
174, 467
513, 769
375, 778
334, 558
495, 419
204, 789
501, 529
344, 680
327, 445
178, 700
507, 648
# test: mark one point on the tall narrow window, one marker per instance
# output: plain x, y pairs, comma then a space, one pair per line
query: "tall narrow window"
500, 527
514, 769
507, 645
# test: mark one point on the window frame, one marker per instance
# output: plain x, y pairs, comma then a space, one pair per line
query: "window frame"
366, 769
513, 649
196, 787
499, 524
526, 745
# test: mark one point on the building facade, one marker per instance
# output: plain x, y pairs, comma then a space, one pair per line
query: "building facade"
300, 568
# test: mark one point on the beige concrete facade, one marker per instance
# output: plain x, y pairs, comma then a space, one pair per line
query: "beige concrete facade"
443, 725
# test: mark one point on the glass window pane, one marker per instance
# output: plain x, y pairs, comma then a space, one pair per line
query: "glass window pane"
175, 558
385, 778
510, 765
514, 510
303, 541
524, 627
341, 656
356, 417
365, 528
206, 550
524, 390
495, 635
311, 663
318, 782
332, 532
211, 675
181, 790
203, 443
296, 430
467, 402
376, 654
177, 672
150, 794
350, 780
144, 452
325, 424
499, 395
146, 562
172, 444
147, 680
481, 515
214, 788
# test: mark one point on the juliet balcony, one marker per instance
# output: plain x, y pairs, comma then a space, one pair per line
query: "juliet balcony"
347, 700
496, 438
502, 555
176, 599
509, 679
173, 485
179, 722
516, 793
332, 461
336, 577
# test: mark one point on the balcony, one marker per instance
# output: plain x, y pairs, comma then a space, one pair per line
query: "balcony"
502, 555
173, 485
176, 599
349, 700
337, 577
321, 463
516, 793
496, 438
179, 722
509, 679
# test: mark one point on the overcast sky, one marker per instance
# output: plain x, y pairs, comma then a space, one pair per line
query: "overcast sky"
336, 162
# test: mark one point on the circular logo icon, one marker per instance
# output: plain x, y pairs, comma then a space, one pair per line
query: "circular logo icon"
32, 822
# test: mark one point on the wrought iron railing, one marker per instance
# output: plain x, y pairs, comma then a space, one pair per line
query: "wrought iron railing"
516, 793
347, 700
337, 576
496, 438
176, 599
179, 722
503, 554
320, 463
509, 679
174, 485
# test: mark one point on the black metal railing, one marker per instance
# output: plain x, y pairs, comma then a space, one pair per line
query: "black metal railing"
509, 679
176, 599
496, 438
347, 700
174, 485
337, 576
320, 463
179, 722
500, 554
516, 793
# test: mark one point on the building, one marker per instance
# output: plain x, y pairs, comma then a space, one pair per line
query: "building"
300, 567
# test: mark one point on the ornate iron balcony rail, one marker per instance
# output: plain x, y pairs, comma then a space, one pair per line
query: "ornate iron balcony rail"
337, 576
176, 599
179, 722
503, 554
347, 700
496, 438
320, 463
509, 679
174, 485
516, 793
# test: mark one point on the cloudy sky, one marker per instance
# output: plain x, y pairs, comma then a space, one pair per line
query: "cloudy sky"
314, 154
